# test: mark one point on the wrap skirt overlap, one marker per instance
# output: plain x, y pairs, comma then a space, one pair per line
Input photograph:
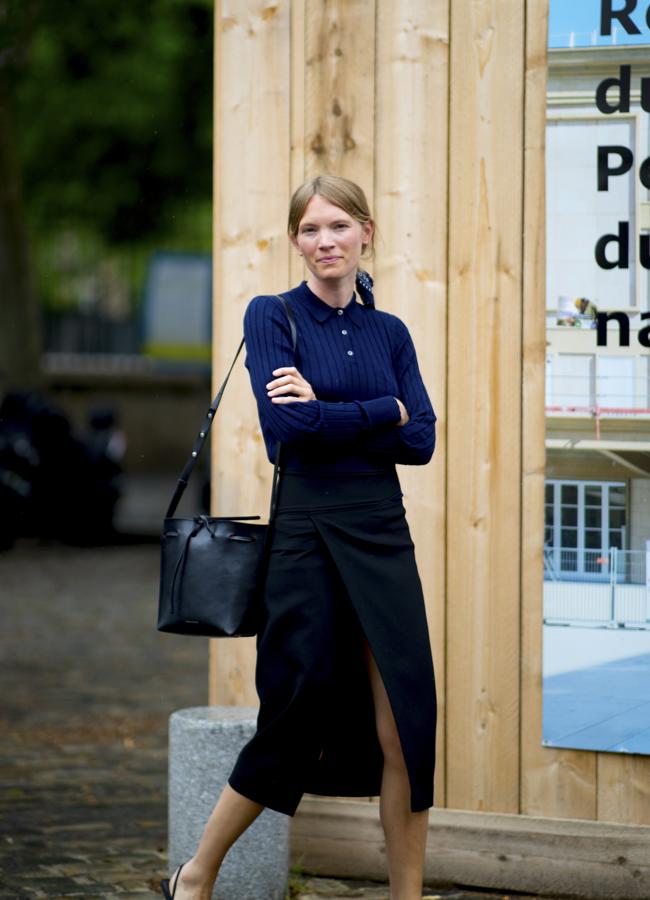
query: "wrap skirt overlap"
341, 566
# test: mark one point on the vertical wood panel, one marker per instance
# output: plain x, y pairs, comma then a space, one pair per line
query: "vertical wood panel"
340, 90
553, 782
624, 788
297, 269
251, 181
338, 97
484, 397
411, 265
298, 91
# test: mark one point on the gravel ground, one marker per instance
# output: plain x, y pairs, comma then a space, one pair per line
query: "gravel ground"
88, 685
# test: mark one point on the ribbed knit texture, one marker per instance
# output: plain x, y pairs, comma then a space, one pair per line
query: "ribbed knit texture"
357, 360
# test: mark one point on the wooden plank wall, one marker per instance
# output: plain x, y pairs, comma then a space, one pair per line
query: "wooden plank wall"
437, 109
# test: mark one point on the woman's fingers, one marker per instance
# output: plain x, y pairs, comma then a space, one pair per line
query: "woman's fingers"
286, 379
290, 399
282, 385
303, 396
286, 382
404, 416
287, 389
289, 381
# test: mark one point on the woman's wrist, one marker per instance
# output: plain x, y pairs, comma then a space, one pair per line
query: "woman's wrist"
404, 416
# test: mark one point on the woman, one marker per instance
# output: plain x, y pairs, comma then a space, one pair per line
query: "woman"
344, 670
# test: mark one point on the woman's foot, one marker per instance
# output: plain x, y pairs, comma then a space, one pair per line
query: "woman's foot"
172, 883
187, 884
165, 884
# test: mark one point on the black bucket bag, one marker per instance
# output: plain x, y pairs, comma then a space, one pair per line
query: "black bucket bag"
212, 568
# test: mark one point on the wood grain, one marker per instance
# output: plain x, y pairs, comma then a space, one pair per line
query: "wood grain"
251, 183
624, 789
438, 111
498, 851
484, 381
554, 782
339, 90
297, 269
410, 202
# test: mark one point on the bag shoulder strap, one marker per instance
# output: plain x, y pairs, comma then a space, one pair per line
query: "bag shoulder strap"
207, 425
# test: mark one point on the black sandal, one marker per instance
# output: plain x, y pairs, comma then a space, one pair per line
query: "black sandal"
164, 884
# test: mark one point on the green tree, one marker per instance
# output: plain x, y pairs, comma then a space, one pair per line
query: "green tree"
20, 334
106, 124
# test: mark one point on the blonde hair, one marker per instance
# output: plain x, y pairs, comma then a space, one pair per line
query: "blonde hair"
340, 191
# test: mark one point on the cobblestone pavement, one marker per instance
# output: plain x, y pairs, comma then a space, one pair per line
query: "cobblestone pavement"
88, 685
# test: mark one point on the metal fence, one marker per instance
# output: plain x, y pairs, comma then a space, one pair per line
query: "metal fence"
619, 394
91, 293
90, 332
605, 587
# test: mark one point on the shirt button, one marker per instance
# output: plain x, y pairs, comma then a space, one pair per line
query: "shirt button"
350, 352
340, 312
344, 331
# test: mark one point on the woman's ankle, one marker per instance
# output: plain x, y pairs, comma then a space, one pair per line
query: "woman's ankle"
196, 874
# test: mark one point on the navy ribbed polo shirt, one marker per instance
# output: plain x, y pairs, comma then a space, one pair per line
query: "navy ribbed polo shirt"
357, 360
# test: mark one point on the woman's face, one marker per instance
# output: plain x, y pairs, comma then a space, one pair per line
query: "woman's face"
330, 240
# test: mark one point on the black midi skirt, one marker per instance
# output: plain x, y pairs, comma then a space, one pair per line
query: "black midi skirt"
341, 566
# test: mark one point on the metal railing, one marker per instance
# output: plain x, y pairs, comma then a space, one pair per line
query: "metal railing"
619, 393
599, 587
600, 396
591, 38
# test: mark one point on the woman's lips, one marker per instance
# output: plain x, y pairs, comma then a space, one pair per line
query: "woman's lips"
329, 258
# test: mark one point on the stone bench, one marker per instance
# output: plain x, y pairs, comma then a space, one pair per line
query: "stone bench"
204, 742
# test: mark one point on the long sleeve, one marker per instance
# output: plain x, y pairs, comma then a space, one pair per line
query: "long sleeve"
414, 442
268, 347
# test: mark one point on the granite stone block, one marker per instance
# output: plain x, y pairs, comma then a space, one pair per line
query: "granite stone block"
204, 743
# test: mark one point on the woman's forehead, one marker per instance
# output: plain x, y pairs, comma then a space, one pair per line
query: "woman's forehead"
320, 209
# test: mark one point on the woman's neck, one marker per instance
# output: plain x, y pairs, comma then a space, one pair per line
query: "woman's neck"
336, 293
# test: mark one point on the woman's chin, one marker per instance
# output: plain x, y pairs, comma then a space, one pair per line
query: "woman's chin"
333, 273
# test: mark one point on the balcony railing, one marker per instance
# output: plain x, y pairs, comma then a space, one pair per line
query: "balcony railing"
598, 396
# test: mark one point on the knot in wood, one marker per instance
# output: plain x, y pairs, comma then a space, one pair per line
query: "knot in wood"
317, 145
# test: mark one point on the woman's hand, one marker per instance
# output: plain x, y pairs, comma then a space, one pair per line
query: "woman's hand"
290, 381
404, 414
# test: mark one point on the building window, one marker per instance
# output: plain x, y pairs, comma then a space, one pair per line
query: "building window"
583, 520
577, 214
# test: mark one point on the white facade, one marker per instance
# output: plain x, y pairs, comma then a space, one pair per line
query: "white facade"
597, 398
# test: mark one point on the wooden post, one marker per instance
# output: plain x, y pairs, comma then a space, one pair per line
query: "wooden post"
410, 197
438, 111
484, 385
251, 184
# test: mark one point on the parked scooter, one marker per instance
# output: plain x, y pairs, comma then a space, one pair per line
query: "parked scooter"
53, 483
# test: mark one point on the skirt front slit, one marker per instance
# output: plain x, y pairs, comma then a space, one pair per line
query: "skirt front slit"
342, 567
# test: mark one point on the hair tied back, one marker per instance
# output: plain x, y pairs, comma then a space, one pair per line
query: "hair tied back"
364, 285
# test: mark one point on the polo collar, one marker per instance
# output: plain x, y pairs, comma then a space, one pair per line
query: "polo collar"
322, 311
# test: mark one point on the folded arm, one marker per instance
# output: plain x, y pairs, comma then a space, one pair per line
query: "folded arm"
414, 442
269, 347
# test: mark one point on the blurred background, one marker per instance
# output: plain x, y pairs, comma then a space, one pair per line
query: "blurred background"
105, 277
105, 264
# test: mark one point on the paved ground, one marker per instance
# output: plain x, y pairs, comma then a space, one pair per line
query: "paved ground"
87, 688
91, 684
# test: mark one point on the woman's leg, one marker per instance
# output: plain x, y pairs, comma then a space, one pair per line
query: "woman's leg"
231, 816
405, 831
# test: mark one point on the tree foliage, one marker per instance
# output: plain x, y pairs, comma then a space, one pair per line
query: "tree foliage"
112, 108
